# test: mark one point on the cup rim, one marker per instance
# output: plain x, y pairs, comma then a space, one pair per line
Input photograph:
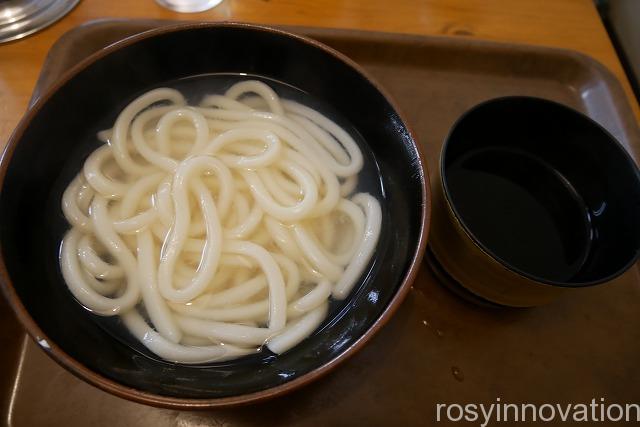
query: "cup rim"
481, 246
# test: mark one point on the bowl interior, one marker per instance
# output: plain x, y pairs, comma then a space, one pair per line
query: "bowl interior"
52, 137
545, 190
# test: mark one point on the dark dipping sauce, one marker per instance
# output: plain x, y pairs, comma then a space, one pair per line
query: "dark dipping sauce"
543, 190
522, 210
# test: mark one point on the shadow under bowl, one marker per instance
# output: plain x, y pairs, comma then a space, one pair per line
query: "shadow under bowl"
88, 97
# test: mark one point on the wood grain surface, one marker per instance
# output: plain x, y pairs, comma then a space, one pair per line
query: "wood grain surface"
570, 24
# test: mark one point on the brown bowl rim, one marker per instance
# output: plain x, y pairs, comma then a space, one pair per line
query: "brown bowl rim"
113, 387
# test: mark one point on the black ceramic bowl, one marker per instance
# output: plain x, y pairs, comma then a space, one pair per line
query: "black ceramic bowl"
45, 142
534, 198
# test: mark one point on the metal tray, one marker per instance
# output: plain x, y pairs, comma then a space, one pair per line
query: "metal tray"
438, 348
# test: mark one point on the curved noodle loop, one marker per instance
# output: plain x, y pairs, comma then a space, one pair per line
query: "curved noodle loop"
216, 229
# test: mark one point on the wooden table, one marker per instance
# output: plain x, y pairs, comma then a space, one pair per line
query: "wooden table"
570, 24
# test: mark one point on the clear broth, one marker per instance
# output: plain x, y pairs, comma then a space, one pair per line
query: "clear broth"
194, 89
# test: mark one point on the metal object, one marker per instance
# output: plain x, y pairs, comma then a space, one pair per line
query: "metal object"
20, 18
189, 6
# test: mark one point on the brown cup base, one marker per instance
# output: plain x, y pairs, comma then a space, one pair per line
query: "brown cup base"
451, 284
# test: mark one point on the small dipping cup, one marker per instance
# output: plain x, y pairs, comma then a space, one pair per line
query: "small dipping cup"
533, 198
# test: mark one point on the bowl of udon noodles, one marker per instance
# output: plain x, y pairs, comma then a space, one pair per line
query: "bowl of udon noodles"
210, 214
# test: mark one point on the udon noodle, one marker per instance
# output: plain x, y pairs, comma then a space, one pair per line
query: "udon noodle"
213, 230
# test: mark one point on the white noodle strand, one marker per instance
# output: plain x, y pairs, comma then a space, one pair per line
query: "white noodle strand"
217, 230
